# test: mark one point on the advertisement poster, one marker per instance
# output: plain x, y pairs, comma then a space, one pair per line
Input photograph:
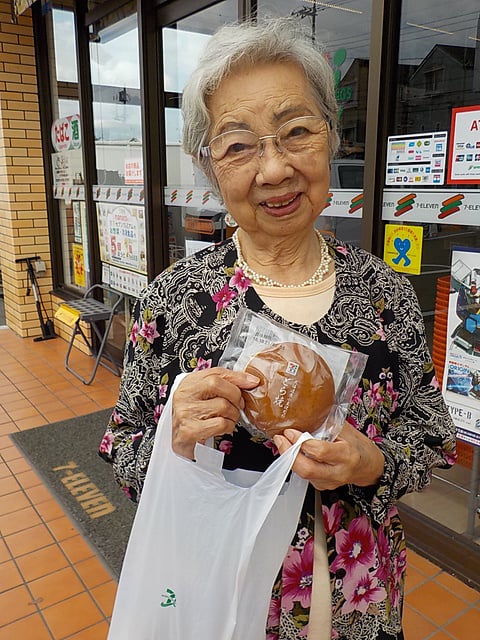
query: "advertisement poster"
402, 248
461, 380
464, 156
416, 159
134, 171
78, 265
77, 222
121, 230
67, 167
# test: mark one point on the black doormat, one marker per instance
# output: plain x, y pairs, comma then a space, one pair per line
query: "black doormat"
64, 454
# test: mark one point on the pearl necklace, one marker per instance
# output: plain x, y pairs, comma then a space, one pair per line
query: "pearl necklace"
261, 279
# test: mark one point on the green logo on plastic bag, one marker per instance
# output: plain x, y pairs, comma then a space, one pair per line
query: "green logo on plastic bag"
170, 599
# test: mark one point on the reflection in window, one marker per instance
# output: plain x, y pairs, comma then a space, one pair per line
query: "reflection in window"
181, 50
64, 39
433, 80
115, 71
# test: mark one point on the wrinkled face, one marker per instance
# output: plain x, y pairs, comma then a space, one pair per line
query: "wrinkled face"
271, 191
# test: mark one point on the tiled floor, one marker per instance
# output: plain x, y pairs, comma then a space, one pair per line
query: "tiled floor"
52, 586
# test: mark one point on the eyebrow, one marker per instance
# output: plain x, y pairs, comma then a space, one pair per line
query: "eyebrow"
301, 110
296, 110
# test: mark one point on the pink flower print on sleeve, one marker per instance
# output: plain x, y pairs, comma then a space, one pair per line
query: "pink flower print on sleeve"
149, 331
223, 297
134, 333
106, 444
239, 280
203, 364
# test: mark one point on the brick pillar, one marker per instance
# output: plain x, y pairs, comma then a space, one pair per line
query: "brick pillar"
23, 209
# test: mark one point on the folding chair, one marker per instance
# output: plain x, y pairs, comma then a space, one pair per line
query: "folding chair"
94, 313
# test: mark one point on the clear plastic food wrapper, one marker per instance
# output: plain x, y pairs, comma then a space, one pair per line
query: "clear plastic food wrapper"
304, 385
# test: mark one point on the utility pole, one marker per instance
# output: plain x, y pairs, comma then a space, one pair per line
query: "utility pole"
304, 12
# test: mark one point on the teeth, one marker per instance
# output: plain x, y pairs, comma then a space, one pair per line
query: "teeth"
278, 205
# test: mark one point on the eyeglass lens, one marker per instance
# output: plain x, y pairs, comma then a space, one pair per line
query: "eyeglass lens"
294, 136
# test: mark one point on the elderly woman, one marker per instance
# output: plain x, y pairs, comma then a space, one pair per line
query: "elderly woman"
260, 119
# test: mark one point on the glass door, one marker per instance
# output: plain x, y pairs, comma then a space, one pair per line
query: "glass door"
431, 206
195, 217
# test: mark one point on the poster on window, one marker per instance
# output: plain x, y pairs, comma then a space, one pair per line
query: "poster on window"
464, 155
77, 222
78, 265
121, 230
402, 248
461, 379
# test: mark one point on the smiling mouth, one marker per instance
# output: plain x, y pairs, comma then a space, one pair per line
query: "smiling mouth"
278, 204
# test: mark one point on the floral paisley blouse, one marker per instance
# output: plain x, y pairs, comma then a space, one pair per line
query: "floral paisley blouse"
182, 323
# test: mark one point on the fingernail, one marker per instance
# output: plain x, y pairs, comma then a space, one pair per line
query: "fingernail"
252, 379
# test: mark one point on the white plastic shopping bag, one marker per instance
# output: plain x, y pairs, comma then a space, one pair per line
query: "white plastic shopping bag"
205, 550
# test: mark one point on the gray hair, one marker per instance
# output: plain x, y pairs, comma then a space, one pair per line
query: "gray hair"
234, 45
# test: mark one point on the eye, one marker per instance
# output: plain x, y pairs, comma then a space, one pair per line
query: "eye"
237, 148
235, 145
297, 131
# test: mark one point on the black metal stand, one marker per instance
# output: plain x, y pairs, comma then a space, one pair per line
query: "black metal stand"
48, 330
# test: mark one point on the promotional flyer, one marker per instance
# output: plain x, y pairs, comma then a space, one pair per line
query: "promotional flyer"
461, 380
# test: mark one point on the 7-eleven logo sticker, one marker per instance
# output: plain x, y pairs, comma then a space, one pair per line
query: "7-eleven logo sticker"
405, 204
451, 205
356, 203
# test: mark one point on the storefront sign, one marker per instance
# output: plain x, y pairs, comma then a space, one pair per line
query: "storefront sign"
416, 159
461, 379
66, 133
464, 156
122, 236
434, 205
403, 247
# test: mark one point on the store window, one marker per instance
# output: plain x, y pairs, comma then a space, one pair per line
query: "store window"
66, 152
195, 217
431, 209
119, 191
343, 30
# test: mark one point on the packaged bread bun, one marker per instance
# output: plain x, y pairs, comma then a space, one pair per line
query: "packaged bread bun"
296, 389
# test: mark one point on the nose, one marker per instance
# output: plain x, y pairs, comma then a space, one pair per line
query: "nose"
273, 166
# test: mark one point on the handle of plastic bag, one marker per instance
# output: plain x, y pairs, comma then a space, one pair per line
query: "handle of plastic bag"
208, 458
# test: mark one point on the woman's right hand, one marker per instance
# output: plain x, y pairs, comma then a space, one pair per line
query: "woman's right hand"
207, 403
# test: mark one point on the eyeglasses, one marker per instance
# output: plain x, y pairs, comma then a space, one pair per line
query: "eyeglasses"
241, 145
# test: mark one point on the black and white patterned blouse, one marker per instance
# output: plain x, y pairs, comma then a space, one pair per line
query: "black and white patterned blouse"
182, 323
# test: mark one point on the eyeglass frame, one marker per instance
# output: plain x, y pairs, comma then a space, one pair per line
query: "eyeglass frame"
205, 152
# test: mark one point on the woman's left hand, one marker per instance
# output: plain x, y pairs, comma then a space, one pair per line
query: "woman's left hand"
351, 459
